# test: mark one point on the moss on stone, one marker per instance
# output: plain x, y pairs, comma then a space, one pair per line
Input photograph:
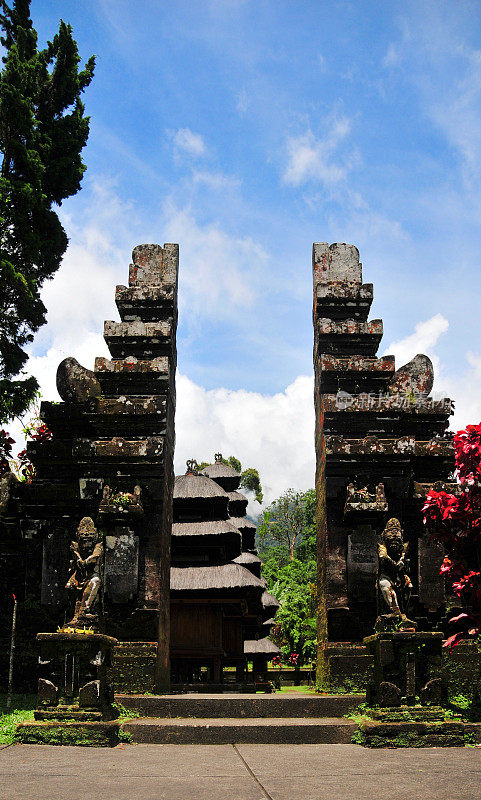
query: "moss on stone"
93, 734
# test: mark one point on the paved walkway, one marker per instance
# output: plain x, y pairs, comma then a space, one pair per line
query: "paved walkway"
240, 772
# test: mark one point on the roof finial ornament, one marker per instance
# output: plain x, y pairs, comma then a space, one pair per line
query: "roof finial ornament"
218, 458
192, 467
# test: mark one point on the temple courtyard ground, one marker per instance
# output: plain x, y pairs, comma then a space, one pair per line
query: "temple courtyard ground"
238, 772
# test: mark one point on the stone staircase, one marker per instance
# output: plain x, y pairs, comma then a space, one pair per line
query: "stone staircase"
287, 718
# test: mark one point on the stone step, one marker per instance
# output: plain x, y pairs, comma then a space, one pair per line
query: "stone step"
144, 340
293, 730
308, 707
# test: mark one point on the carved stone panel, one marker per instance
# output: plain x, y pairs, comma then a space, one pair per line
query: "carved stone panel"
121, 565
431, 583
55, 567
362, 562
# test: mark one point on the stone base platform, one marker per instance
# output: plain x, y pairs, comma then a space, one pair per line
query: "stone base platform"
295, 718
266, 730
278, 705
373, 733
79, 733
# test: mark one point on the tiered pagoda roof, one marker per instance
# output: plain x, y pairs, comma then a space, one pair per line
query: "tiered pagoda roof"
229, 479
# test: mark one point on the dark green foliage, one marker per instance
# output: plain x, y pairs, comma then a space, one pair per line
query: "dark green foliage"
234, 463
289, 568
42, 133
250, 480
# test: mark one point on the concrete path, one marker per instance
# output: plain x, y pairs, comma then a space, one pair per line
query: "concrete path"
238, 772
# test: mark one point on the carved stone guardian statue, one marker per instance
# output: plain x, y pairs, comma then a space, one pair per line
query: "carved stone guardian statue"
86, 573
394, 583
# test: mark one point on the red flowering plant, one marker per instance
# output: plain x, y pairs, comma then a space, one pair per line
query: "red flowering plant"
455, 521
35, 431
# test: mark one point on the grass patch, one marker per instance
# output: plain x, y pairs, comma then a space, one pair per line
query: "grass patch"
21, 710
301, 689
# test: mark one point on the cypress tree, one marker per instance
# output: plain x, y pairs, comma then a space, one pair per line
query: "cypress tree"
43, 130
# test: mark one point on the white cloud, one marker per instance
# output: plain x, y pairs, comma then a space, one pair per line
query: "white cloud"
310, 158
216, 181
273, 433
190, 142
423, 340
465, 389
462, 386
218, 271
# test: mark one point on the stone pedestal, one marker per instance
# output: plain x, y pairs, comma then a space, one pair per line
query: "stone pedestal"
406, 667
74, 701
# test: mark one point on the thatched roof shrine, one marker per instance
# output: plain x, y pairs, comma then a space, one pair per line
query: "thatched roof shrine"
250, 562
243, 523
269, 602
193, 487
237, 504
216, 583
224, 576
209, 527
223, 474
246, 559
263, 647
197, 540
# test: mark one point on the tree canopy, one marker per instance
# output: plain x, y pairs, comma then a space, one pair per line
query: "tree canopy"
287, 520
289, 567
43, 130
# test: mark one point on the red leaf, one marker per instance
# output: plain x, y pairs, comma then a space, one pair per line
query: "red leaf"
454, 640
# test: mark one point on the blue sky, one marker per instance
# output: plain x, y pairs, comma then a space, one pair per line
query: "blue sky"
245, 130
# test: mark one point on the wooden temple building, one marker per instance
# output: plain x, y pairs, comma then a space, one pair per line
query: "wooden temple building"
381, 443
219, 604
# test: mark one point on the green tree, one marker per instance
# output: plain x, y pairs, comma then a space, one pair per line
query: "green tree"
250, 479
287, 520
295, 629
43, 130
289, 567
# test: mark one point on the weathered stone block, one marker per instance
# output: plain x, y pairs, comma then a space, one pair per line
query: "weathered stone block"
151, 447
131, 364
415, 377
431, 583
75, 383
89, 695
389, 695
55, 563
47, 694
337, 262
154, 265
432, 693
